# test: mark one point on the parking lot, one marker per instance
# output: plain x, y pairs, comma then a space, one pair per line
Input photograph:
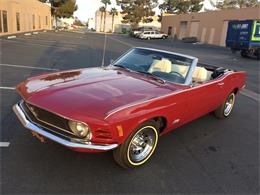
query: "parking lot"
205, 156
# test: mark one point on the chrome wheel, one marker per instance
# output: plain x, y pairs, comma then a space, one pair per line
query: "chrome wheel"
142, 145
229, 104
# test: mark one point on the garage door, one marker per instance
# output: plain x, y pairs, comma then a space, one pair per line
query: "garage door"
183, 29
194, 28
224, 34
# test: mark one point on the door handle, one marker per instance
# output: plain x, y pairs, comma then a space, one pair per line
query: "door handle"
221, 84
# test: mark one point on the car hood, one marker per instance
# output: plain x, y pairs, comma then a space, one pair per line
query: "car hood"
91, 92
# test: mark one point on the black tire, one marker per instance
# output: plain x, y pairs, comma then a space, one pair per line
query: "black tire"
244, 53
258, 54
222, 111
122, 154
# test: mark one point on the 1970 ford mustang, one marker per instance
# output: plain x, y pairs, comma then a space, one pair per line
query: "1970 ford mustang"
127, 105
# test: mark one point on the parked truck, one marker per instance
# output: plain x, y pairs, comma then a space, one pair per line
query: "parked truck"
244, 36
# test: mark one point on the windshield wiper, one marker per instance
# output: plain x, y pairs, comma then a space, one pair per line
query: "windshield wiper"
119, 65
152, 75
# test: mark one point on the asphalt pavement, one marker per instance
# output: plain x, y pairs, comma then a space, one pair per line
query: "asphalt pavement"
206, 156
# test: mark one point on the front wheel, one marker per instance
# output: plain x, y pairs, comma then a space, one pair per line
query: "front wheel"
138, 147
224, 110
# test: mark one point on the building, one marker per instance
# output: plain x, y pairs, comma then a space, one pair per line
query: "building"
118, 26
209, 27
18, 16
91, 24
64, 22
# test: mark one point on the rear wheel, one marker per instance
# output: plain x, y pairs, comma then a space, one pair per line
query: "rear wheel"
224, 110
138, 147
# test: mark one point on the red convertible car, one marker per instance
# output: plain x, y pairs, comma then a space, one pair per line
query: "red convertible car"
127, 105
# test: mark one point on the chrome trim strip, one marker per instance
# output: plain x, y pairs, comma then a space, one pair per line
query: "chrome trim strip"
193, 65
165, 51
27, 124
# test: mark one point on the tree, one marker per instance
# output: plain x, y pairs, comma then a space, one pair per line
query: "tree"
105, 2
180, 6
62, 8
136, 11
113, 12
78, 22
102, 10
234, 4
67, 9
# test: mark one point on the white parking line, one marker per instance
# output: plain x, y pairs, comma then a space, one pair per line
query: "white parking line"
250, 94
29, 67
9, 88
4, 144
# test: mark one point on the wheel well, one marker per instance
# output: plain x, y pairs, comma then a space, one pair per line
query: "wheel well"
161, 122
235, 90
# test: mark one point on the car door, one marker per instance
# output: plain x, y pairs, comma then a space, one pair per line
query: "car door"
205, 98
152, 34
158, 35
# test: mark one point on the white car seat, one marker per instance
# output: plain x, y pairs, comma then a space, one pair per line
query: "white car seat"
163, 65
182, 69
200, 74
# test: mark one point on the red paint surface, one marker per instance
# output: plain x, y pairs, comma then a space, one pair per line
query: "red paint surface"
107, 97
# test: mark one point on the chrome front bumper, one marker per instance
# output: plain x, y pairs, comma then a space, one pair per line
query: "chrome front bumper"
31, 126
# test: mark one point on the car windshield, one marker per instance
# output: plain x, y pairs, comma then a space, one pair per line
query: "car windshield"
165, 66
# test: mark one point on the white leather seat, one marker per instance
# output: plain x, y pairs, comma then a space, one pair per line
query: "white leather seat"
163, 65
200, 74
182, 69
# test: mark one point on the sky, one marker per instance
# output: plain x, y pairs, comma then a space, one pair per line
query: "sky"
87, 8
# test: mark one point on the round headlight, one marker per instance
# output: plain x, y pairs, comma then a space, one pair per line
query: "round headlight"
80, 129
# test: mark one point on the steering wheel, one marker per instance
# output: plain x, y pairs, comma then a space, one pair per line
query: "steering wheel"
177, 74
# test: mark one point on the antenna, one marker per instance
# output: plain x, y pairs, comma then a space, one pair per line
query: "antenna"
104, 50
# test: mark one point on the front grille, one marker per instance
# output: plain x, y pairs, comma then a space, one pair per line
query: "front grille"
48, 117
48, 120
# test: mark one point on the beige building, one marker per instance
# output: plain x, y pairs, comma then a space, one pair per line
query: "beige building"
118, 26
17, 16
209, 27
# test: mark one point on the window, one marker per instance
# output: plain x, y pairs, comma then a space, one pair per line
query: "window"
163, 65
257, 30
33, 20
46, 21
39, 22
5, 24
1, 22
18, 21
